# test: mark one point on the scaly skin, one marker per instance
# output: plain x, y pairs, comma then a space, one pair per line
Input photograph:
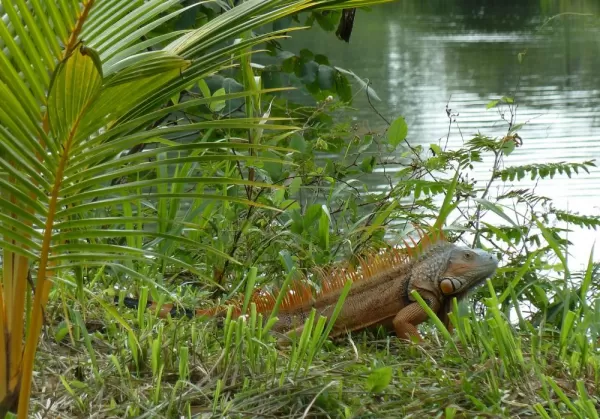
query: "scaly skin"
380, 293
443, 271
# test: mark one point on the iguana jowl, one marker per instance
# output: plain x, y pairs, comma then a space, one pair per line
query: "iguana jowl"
380, 293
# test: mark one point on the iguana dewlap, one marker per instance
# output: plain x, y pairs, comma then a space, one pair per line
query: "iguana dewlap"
380, 293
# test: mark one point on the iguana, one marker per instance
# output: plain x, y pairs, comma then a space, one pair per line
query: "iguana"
380, 293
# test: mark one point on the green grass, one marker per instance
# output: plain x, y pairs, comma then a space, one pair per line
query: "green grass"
196, 368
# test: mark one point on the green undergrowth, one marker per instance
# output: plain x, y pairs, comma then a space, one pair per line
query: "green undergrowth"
175, 169
124, 363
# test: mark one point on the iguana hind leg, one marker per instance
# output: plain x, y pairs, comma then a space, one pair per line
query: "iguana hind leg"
286, 338
406, 321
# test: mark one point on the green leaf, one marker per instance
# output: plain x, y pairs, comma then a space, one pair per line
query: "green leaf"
508, 147
291, 64
217, 105
368, 164
372, 93
321, 59
435, 148
520, 273
297, 226
61, 332
447, 206
553, 244
204, 88
77, 82
496, 209
324, 221
379, 379
327, 22
342, 87
397, 132
313, 212
587, 279
271, 78
306, 55
326, 77
295, 186
516, 127
298, 143
308, 72
492, 104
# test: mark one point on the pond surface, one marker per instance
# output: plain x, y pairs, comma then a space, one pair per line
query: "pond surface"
421, 56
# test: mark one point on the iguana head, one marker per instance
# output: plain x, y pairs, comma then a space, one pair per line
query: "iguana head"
465, 269
445, 269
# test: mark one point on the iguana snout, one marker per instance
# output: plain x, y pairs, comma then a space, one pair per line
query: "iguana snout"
466, 268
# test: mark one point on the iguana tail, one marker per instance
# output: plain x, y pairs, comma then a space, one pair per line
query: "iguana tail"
165, 309
300, 292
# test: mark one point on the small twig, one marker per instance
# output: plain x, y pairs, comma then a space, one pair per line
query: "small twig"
450, 115
418, 157
234, 246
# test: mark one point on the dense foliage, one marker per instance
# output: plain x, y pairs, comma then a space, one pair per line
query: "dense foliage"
144, 151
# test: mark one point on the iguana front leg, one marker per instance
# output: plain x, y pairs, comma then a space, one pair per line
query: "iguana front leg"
406, 321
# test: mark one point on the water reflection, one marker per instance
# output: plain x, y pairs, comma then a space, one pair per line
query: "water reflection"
421, 56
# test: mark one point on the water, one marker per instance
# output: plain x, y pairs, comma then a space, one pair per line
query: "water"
423, 56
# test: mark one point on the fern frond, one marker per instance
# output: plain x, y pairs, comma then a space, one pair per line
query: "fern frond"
543, 170
588, 221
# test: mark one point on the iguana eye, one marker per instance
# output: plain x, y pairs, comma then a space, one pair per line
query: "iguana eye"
468, 255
